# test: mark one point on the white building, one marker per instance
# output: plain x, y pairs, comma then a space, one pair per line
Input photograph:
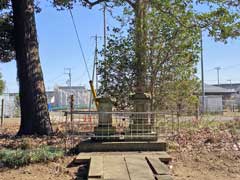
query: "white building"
62, 93
9, 108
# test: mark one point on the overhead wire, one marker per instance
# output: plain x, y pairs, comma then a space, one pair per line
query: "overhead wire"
79, 43
224, 68
57, 77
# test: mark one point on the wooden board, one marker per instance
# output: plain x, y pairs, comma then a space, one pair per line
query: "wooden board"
96, 167
158, 167
164, 177
163, 156
82, 158
138, 168
114, 168
126, 165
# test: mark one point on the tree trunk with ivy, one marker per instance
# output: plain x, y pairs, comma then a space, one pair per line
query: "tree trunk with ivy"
34, 110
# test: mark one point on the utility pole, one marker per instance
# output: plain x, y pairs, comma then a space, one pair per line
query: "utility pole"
230, 81
68, 71
202, 70
2, 112
95, 65
104, 30
218, 69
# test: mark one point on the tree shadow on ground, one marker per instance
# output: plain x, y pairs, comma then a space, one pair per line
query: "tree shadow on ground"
82, 171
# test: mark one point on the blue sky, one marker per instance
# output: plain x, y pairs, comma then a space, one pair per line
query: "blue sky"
59, 49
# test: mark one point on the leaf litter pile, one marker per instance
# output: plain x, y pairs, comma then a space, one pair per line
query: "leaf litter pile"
209, 152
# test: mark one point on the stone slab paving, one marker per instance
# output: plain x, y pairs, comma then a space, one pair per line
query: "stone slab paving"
115, 168
96, 167
158, 167
163, 156
138, 168
126, 166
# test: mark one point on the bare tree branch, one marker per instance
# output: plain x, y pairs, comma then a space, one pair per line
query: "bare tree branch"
131, 3
93, 3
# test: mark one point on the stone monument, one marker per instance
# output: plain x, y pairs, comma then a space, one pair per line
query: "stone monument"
141, 127
104, 130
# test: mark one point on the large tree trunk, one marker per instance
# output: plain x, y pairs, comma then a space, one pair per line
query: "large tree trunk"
34, 111
140, 44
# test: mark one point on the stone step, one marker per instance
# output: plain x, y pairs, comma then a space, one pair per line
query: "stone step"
126, 165
164, 177
96, 167
138, 168
115, 168
158, 167
162, 156
104, 131
91, 146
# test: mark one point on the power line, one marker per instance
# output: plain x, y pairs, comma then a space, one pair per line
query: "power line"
224, 68
230, 67
57, 77
79, 43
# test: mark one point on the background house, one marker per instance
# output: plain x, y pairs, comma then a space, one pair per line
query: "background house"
218, 99
59, 98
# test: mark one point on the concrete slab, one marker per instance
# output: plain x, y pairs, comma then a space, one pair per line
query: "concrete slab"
90, 146
158, 167
138, 168
164, 177
126, 165
163, 156
96, 167
114, 168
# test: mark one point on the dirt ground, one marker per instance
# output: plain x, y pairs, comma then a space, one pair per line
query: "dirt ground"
205, 166
204, 154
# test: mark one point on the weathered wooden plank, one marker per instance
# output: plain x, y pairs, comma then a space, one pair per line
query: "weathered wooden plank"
158, 167
138, 168
114, 168
164, 177
96, 167
163, 156
82, 158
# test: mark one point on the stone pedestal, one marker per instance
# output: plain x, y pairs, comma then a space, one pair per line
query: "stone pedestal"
104, 128
141, 121
141, 102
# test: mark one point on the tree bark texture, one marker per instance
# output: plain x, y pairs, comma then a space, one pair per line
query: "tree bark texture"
140, 44
34, 110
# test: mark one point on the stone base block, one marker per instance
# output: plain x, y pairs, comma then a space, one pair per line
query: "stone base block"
92, 146
104, 131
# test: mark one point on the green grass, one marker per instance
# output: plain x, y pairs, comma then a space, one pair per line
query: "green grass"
16, 158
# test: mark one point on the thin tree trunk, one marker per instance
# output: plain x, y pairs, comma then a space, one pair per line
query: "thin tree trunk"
34, 111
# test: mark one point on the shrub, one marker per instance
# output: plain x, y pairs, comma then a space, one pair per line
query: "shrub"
16, 158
